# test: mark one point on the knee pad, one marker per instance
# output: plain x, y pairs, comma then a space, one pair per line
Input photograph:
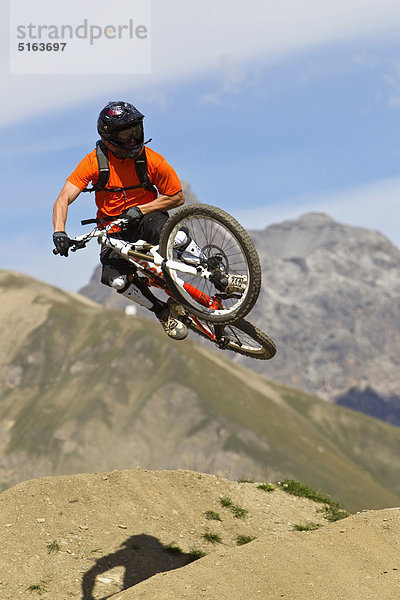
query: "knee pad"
118, 283
132, 292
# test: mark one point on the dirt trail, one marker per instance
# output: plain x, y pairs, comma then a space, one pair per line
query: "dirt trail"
90, 536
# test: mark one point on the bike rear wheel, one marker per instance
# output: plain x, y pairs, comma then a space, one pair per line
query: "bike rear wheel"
241, 337
226, 247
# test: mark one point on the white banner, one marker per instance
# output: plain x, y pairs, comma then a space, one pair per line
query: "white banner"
80, 37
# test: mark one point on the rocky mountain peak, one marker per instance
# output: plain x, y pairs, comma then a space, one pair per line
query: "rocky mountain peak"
311, 232
331, 300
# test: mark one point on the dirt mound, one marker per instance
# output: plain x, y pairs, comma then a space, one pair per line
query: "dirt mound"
349, 560
124, 535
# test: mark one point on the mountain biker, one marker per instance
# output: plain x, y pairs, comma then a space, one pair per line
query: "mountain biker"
144, 204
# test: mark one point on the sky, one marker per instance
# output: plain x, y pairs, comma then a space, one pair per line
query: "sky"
267, 111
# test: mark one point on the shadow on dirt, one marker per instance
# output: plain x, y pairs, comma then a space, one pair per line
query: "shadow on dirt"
142, 556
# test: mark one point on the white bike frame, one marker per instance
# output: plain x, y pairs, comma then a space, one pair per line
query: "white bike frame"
134, 251
137, 253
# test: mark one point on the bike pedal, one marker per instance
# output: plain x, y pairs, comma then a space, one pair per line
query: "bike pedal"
177, 309
236, 284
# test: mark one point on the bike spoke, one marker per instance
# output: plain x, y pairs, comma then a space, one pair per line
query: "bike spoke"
225, 252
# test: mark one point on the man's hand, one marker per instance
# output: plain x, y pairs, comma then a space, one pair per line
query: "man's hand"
61, 242
134, 214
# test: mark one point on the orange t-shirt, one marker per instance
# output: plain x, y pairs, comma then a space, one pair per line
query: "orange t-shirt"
123, 174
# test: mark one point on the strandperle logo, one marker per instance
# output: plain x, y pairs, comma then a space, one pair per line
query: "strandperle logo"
85, 31
72, 37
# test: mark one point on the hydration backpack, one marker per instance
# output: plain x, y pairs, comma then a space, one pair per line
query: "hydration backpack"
104, 172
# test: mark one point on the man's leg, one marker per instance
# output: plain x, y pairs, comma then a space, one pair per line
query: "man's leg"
117, 274
150, 230
150, 227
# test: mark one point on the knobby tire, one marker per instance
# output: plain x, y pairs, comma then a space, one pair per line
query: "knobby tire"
254, 344
239, 236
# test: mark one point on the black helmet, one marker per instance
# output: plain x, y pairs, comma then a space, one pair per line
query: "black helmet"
120, 126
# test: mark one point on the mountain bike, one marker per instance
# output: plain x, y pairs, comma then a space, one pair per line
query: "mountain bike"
210, 290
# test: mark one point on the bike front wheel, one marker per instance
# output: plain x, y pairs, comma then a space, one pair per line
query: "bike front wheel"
226, 251
241, 337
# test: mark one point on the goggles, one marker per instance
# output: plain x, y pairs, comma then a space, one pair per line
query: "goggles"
130, 136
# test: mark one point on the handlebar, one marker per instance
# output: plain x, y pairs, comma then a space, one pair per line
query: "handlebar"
74, 245
77, 244
73, 249
103, 221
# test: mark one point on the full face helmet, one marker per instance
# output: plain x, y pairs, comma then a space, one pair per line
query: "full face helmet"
120, 126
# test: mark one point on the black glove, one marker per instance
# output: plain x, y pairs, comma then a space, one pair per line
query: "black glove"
61, 242
133, 214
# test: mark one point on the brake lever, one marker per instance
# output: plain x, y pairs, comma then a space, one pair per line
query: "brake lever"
74, 248
78, 246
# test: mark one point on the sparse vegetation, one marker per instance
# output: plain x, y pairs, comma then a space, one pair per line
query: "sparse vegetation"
236, 510
244, 539
172, 549
214, 538
53, 547
226, 502
266, 487
211, 515
196, 553
333, 510
40, 587
296, 488
307, 527
246, 481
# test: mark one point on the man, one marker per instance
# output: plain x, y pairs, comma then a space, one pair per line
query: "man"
127, 178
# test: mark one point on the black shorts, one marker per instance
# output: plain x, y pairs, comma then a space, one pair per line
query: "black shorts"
149, 230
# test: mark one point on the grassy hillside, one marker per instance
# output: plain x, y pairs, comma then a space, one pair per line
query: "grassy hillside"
88, 389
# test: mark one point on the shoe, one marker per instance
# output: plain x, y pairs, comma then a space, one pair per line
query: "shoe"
229, 284
186, 248
173, 327
236, 284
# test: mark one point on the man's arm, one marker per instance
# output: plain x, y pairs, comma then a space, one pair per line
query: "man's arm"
163, 203
68, 194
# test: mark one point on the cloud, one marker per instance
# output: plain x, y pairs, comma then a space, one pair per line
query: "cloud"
390, 95
191, 38
393, 82
44, 146
364, 59
373, 206
234, 79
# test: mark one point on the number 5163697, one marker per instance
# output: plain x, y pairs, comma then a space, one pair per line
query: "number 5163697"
42, 47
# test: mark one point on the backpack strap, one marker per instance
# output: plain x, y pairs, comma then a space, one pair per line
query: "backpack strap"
104, 172
104, 165
104, 168
142, 173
